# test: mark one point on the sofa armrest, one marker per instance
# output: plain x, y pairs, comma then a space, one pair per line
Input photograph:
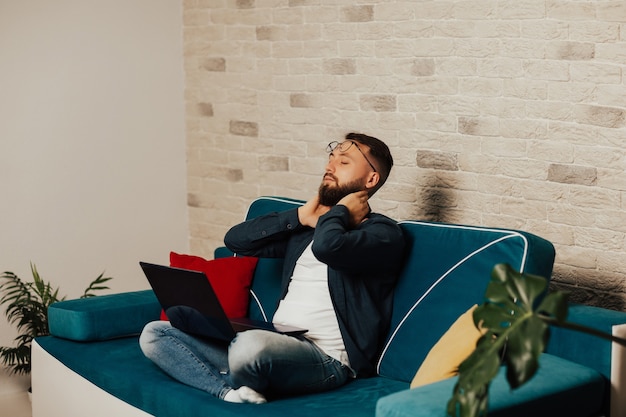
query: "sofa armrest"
603, 355
560, 387
103, 317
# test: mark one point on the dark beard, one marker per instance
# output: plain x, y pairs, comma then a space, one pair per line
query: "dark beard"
329, 194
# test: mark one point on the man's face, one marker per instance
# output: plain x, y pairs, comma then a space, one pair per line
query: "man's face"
346, 173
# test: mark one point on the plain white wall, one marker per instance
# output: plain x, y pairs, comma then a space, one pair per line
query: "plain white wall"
92, 146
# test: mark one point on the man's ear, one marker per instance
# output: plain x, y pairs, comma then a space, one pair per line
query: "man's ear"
372, 180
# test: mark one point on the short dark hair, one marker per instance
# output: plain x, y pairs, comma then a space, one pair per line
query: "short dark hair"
379, 151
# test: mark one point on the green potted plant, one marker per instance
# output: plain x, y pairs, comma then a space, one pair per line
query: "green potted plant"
27, 308
517, 313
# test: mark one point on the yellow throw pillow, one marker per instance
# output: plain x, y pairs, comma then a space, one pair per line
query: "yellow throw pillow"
444, 358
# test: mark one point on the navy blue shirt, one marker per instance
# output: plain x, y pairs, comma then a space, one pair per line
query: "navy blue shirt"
363, 265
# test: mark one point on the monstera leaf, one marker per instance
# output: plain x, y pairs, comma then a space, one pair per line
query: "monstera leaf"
516, 331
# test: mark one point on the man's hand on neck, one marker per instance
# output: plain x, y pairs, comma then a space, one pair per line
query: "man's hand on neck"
309, 213
357, 205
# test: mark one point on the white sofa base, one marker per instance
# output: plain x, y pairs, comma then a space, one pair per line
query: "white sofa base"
618, 374
60, 392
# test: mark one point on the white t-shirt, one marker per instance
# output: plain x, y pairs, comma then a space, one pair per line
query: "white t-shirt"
308, 305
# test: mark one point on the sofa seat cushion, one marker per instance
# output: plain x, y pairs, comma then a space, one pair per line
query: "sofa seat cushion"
103, 317
559, 388
119, 367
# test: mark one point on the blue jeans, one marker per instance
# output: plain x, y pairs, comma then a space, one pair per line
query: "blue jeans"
270, 363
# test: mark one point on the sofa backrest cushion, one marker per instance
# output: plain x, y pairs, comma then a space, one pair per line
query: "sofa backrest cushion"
446, 271
265, 289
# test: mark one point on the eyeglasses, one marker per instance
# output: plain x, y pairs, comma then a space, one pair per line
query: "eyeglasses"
343, 147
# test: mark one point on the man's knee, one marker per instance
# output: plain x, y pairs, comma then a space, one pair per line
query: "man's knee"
248, 347
248, 355
150, 335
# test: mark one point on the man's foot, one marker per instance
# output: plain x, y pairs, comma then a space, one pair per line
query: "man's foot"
244, 394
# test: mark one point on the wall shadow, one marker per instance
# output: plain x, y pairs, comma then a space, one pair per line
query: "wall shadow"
434, 201
591, 296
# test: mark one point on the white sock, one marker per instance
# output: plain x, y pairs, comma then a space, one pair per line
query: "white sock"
232, 396
244, 394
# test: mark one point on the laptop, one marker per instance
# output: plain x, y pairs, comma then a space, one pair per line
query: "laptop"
192, 306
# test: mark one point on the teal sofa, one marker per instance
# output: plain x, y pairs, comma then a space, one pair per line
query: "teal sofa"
92, 365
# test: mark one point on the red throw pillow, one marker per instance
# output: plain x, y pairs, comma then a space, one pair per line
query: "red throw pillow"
230, 278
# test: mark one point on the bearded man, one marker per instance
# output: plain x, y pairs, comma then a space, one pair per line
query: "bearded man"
341, 262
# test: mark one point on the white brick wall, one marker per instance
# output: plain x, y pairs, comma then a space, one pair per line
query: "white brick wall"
498, 113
